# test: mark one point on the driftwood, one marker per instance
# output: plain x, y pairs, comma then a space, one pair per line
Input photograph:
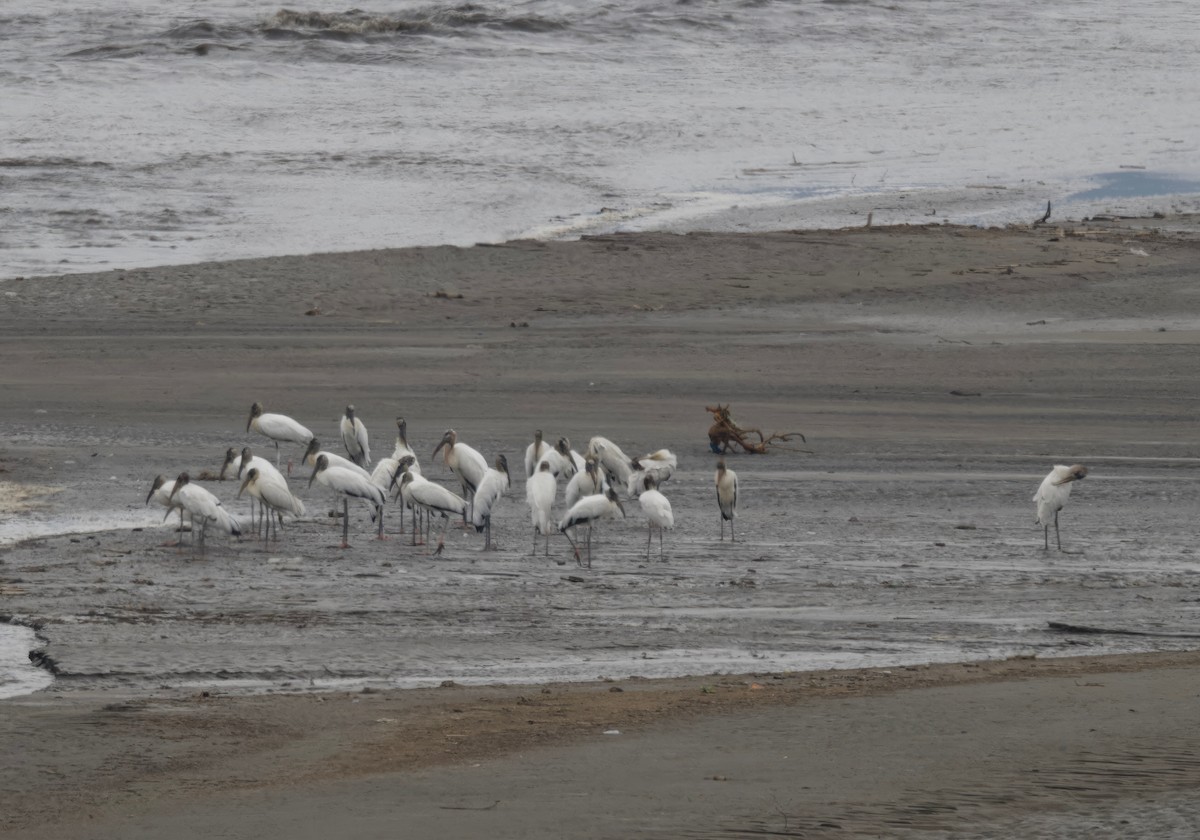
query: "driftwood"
725, 433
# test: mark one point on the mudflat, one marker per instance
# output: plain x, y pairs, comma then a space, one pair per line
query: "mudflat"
936, 372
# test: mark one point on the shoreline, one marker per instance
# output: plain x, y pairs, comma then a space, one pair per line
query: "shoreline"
937, 372
270, 750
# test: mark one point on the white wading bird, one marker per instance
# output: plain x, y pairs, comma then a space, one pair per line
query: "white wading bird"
586, 482
314, 452
1052, 495
279, 428
354, 436
660, 464
658, 512
271, 490
540, 490
241, 464
402, 447
492, 487
349, 484
587, 511
727, 497
160, 491
559, 460
615, 463
434, 498
535, 452
204, 507
405, 492
465, 462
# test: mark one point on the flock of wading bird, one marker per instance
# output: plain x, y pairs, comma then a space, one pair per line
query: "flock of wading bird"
595, 482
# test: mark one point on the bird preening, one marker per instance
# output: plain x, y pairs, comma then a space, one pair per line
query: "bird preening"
1052, 496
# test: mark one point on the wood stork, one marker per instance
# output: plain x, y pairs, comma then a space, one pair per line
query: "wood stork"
279, 428
727, 496
271, 490
586, 482
535, 452
465, 462
242, 463
407, 464
559, 459
660, 464
657, 508
314, 452
160, 491
615, 463
540, 490
588, 511
204, 507
402, 447
492, 487
1052, 495
354, 436
349, 484
434, 498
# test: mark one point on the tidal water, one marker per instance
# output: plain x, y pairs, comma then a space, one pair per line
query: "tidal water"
144, 132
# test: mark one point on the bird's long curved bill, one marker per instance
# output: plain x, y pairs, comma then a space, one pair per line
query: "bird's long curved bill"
243, 487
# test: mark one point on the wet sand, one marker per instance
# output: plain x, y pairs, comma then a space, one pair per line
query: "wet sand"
937, 373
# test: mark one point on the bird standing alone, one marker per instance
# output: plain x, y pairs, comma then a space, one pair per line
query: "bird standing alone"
727, 496
1052, 495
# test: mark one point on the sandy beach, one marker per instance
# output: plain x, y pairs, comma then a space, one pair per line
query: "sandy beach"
937, 373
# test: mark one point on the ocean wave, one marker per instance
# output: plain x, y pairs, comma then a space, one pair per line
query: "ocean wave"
432, 20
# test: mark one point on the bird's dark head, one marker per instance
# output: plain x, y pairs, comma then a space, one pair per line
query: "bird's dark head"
349, 412
322, 464
612, 496
544, 466
159, 481
402, 430
256, 410
502, 464
230, 455
448, 440
251, 477
314, 446
564, 447
401, 469
648, 483
1077, 472
181, 481
720, 466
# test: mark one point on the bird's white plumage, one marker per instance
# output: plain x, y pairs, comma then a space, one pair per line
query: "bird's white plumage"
278, 427
660, 465
658, 512
314, 452
160, 493
354, 483
657, 508
271, 489
589, 510
616, 464
433, 497
540, 491
535, 452
726, 481
355, 438
492, 487
1052, 495
203, 506
464, 461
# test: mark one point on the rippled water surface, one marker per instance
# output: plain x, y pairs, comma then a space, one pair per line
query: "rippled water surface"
141, 133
